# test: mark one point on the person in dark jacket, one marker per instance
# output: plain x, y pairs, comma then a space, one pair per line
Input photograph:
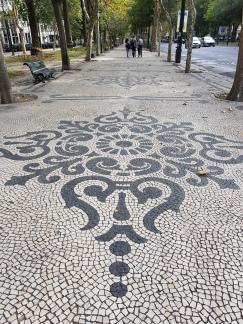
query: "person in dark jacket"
133, 44
128, 47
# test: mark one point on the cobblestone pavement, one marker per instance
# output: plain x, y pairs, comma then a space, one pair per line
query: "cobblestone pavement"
121, 200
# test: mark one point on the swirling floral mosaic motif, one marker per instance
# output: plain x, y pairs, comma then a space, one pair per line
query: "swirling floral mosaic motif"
123, 157
123, 144
126, 81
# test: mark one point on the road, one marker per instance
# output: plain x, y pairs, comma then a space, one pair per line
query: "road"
220, 59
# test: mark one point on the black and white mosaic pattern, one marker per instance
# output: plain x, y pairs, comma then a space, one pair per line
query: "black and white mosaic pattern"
127, 81
123, 171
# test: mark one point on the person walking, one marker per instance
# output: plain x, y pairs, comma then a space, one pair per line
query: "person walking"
133, 44
128, 47
140, 46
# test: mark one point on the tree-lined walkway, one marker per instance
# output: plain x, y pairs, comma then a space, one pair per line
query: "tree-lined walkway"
121, 199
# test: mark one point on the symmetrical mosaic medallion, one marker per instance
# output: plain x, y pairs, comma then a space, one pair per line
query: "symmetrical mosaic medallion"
127, 158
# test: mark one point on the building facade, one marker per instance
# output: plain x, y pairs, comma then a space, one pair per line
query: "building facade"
10, 33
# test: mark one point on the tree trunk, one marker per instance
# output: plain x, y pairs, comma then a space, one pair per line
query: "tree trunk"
190, 31
57, 5
20, 28
159, 39
91, 14
234, 32
97, 30
84, 23
169, 21
1, 39
54, 27
5, 86
67, 24
170, 44
22, 40
36, 44
101, 40
90, 38
106, 39
155, 26
89, 44
54, 41
236, 93
148, 38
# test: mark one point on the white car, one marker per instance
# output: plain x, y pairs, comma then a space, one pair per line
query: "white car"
208, 41
195, 43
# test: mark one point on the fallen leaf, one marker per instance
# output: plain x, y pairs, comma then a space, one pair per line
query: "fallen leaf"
202, 172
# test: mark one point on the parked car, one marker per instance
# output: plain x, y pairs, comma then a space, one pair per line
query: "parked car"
208, 41
196, 43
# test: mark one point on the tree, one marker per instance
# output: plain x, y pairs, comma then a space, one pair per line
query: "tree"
91, 15
168, 18
57, 7
84, 22
16, 19
67, 24
236, 93
190, 31
36, 44
155, 25
97, 31
5, 86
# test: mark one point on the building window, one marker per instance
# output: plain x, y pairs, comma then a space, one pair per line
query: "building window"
5, 38
27, 38
15, 38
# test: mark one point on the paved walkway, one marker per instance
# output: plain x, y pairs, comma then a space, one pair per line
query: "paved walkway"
121, 200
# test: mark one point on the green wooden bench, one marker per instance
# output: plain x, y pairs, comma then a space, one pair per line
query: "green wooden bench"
39, 71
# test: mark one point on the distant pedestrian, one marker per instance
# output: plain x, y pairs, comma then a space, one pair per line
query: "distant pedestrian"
133, 44
128, 47
140, 46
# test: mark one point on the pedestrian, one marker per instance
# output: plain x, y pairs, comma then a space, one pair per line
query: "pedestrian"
140, 46
128, 47
133, 45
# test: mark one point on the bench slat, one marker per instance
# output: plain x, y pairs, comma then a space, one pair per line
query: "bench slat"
39, 70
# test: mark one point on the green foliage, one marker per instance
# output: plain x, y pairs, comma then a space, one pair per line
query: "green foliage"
141, 14
115, 16
75, 17
224, 12
202, 25
173, 7
45, 13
